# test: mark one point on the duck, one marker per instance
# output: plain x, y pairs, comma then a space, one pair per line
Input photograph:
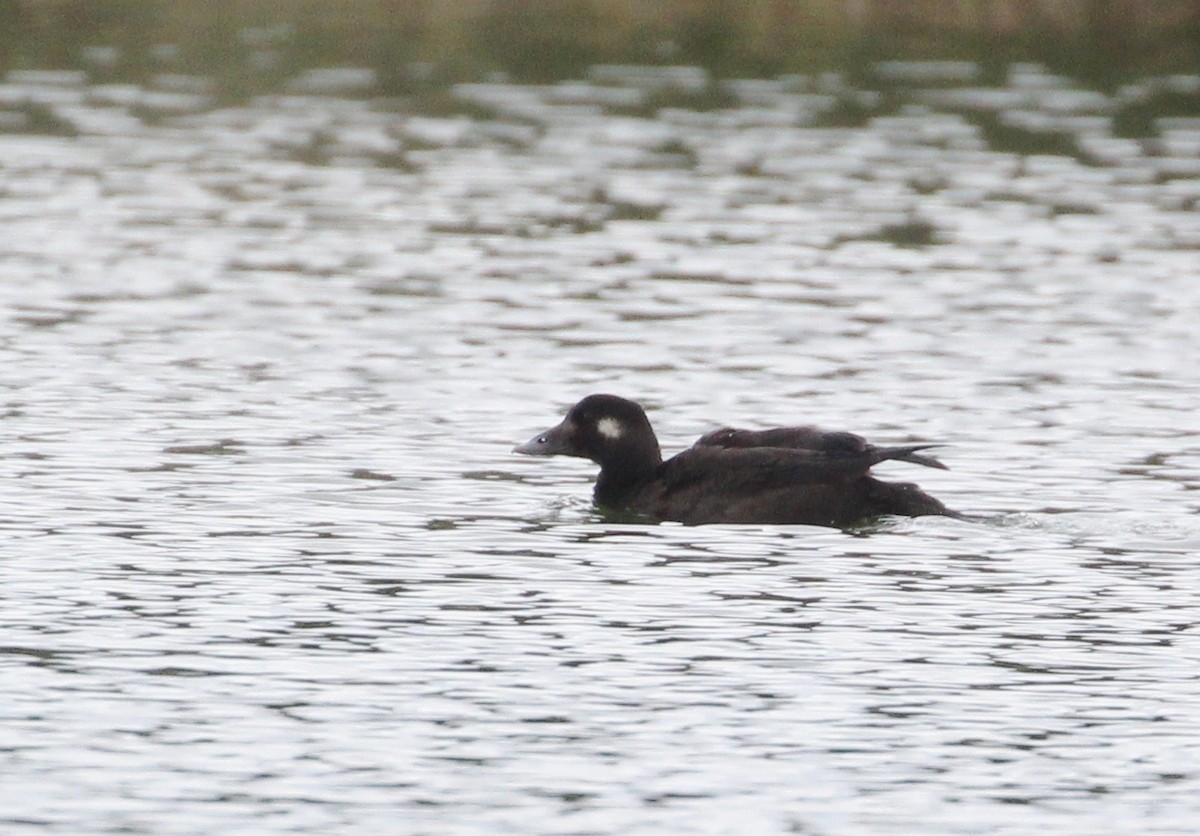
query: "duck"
786, 475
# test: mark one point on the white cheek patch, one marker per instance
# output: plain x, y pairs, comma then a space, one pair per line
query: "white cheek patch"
610, 428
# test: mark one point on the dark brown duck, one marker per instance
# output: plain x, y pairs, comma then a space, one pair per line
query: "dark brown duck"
797, 475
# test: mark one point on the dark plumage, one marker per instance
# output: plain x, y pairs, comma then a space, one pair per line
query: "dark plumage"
814, 438
786, 475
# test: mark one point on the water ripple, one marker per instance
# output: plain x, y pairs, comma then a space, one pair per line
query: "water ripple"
264, 539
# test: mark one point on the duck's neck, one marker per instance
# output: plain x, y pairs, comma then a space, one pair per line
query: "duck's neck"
623, 474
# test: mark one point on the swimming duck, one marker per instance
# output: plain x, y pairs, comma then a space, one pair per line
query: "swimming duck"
797, 475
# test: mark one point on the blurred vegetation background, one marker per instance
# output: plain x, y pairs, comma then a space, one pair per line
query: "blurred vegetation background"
409, 42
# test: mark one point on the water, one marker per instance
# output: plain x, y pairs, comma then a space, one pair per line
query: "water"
269, 565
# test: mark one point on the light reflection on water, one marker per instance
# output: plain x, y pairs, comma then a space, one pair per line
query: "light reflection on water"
268, 559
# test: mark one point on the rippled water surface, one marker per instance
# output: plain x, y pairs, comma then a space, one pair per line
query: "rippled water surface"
269, 565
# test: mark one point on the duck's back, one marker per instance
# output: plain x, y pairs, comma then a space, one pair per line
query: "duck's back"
711, 484
819, 440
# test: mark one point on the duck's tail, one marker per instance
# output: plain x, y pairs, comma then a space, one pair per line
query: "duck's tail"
909, 453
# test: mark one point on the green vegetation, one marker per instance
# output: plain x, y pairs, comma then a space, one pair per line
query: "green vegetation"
255, 44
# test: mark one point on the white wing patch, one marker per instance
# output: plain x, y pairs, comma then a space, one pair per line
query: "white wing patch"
610, 428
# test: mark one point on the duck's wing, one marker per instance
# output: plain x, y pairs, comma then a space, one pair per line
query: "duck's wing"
791, 438
817, 440
738, 470
706, 484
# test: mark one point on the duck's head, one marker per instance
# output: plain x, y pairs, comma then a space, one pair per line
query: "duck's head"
611, 431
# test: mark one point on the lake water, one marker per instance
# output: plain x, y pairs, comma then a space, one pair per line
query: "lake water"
269, 565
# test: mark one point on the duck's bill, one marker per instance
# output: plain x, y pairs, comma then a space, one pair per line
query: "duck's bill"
552, 442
